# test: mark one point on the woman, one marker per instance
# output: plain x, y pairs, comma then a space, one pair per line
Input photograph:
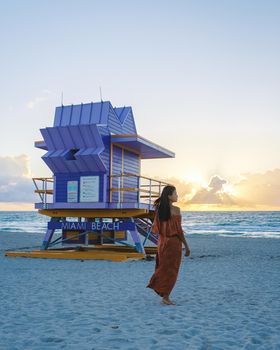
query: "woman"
167, 224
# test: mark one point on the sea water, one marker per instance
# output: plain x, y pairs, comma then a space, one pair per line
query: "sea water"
254, 224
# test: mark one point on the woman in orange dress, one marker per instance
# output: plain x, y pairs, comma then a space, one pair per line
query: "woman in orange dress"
167, 224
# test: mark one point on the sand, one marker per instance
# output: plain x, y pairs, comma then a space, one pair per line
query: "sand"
227, 294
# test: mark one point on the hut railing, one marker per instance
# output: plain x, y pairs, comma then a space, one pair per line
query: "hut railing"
146, 189
44, 187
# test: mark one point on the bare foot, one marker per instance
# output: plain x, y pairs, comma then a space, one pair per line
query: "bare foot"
167, 301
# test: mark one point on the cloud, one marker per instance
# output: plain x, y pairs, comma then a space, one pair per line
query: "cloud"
16, 184
38, 99
263, 189
216, 184
214, 194
15, 166
254, 191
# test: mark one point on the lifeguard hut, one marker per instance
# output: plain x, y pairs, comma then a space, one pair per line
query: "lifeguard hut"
96, 198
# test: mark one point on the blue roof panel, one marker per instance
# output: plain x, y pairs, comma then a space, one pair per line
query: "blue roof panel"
66, 115
122, 112
76, 114
88, 113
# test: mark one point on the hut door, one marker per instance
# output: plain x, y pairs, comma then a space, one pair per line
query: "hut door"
125, 161
116, 169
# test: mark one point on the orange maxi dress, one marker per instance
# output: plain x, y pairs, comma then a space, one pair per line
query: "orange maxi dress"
168, 256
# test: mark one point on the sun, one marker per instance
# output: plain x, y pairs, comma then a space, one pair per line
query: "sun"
197, 179
228, 188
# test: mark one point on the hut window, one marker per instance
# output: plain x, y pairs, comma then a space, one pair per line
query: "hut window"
71, 154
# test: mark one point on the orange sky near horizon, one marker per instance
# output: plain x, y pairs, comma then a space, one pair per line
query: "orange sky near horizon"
252, 192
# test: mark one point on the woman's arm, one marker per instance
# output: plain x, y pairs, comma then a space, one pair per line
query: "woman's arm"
183, 239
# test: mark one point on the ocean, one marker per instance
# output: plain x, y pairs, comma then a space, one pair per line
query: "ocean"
254, 224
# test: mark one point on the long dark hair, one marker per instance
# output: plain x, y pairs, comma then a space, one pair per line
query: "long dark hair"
162, 204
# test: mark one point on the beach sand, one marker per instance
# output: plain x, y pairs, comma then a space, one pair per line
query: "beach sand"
227, 294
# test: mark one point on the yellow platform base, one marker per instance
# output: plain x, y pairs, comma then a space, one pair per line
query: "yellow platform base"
99, 252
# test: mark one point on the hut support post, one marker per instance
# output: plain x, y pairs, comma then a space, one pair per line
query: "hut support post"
48, 236
137, 239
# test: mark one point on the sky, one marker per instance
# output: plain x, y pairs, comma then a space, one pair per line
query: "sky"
202, 78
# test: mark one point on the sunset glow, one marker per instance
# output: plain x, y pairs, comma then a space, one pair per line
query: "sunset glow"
201, 80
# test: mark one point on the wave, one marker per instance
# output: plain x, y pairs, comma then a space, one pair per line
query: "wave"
226, 224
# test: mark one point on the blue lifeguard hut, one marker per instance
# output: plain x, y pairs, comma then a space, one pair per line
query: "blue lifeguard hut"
97, 196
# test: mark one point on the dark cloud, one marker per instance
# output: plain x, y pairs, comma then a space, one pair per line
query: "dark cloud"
216, 184
214, 194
